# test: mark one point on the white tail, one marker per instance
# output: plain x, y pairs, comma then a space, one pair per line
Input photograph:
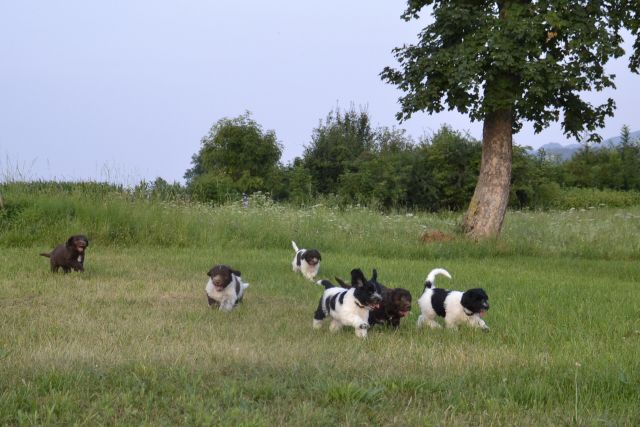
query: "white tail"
430, 282
295, 247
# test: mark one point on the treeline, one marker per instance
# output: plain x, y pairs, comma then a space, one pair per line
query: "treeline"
350, 161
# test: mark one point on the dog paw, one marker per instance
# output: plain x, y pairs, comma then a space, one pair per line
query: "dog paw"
364, 326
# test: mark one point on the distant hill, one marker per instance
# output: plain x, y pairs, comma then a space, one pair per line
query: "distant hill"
616, 139
565, 152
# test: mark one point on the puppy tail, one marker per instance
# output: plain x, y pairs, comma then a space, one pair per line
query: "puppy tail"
342, 283
327, 284
295, 247
45, 254
430, 281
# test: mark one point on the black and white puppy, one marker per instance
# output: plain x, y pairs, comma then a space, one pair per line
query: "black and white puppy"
225, 287
454, 306
306, 261
348, 307
395, 304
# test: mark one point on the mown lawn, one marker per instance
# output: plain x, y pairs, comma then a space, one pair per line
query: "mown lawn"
132, 341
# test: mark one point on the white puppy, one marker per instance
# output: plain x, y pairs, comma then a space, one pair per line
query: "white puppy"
306, 261
348, 307
454, 306
225, 287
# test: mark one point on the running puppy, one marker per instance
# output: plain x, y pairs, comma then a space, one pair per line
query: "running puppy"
225, 287
395, 304
306, 261
454, 306
347, 307
69, 256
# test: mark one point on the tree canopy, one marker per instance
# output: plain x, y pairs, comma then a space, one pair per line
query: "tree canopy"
236, 155
335, 144
540, 57
504, 62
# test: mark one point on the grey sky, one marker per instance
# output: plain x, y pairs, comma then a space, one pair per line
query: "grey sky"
124, 90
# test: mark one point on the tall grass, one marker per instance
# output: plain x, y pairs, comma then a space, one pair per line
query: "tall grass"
44, 215
585, 198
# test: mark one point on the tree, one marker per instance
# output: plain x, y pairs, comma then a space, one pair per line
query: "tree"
446, 171
335, 145
502, 62
235, 155
379, 176
630, 160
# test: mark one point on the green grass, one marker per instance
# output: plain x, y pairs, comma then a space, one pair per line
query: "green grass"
132, 341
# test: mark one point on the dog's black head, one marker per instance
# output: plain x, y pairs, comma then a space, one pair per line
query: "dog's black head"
312, 256
77, 243
366, 291
221, 276
475, 301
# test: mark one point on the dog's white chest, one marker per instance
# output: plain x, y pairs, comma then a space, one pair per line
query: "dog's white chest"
215, 293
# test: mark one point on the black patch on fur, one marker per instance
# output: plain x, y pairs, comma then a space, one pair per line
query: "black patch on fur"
475, 300
341, 299
238, 287
299, 258
332, 302
437, 301
320, 313
365, 290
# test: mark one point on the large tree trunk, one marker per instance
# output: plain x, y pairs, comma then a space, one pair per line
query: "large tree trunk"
489, 202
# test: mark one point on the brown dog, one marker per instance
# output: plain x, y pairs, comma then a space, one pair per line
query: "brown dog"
70, 255
396, 303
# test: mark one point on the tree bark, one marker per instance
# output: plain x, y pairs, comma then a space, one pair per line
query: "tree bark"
489, 202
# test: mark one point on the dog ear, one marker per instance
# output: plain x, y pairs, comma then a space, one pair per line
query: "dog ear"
70, 240
357, 278
374, 277
210, 272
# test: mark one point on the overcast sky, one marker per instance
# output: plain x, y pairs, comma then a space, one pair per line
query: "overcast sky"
124, 90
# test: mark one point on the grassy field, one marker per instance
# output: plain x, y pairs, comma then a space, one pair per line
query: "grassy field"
132, 341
